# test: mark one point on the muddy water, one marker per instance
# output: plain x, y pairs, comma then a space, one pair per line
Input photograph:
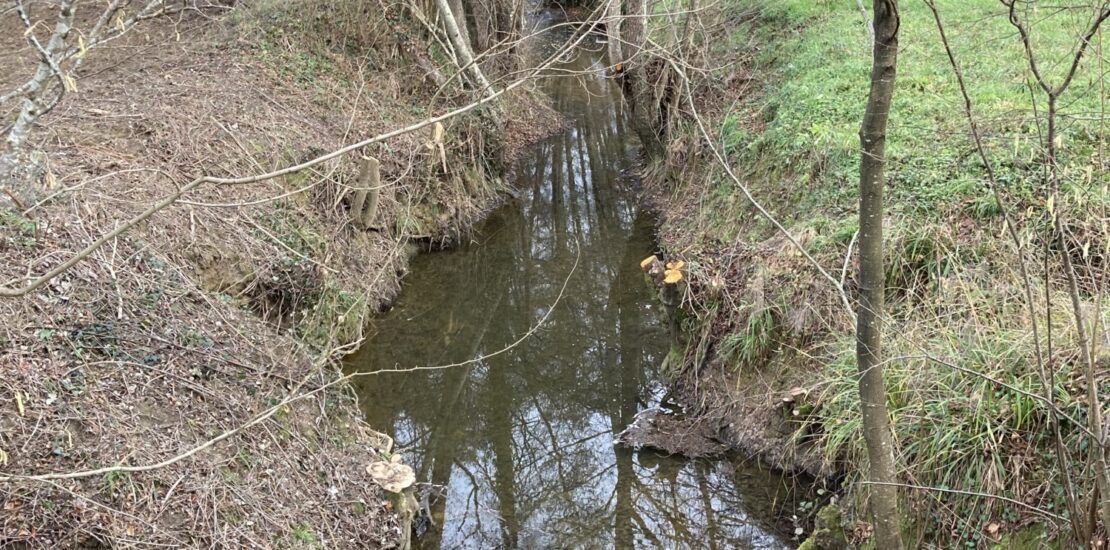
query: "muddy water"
517, 443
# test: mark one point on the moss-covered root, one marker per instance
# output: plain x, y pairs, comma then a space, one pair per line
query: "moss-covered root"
828, 534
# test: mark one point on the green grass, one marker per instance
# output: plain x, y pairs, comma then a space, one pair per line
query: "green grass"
755, 341
817, 84
303, 534
954, 289
957, 431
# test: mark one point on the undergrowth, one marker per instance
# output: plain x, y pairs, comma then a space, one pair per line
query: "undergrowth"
355, 58
972, 421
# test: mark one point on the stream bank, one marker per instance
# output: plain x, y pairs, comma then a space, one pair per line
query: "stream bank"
769, 348
215, 309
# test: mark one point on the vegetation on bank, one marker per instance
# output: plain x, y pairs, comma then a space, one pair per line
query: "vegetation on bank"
964, 387
206, 317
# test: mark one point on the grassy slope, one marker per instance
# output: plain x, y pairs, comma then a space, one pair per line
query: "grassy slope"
954, 289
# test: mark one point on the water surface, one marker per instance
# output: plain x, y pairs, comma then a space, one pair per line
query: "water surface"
518, 440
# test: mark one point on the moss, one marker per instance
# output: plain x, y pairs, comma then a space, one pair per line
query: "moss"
828, 532
1031, 537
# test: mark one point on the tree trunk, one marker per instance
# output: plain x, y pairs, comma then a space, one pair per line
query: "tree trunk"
509, 22
613, 33
17, 177
872, 389
482, 17
639, 91
462, 49
32, 105
460, 12
1094, 402
364, 208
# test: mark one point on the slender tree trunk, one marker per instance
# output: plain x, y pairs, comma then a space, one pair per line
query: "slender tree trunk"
16, 172
508, 22
672, 100
1100, 504
32, 105
1094, 403
459, 11
462, 49
483, 27
872, 389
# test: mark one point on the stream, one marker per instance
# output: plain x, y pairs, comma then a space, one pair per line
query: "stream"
517, 443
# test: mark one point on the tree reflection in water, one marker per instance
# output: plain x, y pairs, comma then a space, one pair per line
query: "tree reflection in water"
522, 442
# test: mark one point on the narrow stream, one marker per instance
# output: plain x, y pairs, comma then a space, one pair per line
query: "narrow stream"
519, 442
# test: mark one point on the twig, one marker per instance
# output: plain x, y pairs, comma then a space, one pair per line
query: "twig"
294, 397
751, 198
10, 291
1039, 511
866, 22
848, 259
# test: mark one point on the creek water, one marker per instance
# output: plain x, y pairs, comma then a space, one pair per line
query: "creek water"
517, 443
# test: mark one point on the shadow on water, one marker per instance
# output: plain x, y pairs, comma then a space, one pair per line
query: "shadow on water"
519, 444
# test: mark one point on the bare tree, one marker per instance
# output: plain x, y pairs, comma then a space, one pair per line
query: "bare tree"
872, 389
460, 12
1100, 497
613, 32
56, 72
462, 48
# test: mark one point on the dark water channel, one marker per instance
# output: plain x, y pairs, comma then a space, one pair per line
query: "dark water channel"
519, 440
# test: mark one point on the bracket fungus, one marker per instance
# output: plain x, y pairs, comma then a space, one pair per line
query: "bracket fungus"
391, 475
646, 264
673, 274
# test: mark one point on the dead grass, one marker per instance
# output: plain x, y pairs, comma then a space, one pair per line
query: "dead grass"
212, 310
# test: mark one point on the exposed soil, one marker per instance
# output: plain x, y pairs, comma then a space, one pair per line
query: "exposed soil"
697, 437
754, 411
216, 309
755, 420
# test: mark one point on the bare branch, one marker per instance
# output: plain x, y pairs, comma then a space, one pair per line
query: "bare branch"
9, 291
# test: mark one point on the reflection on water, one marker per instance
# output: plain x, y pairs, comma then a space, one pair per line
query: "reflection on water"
521, 441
